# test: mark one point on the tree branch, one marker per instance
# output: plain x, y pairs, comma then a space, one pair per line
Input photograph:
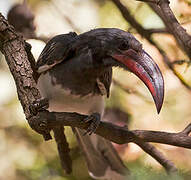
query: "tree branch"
157, 30
13, 47
114, 133
63, 149
162, 8
157, 155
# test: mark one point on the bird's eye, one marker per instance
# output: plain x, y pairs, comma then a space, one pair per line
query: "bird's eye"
123, 46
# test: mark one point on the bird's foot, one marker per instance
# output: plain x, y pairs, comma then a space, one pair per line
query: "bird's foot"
94, 119
39, 105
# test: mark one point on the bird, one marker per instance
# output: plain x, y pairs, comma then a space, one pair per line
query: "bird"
75, 74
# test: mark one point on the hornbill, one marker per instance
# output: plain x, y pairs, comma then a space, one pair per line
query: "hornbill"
76, 73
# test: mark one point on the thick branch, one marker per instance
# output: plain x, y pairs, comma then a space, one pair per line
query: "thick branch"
117, 134
13, 47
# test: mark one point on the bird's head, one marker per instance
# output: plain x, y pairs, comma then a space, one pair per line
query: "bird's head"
120, 48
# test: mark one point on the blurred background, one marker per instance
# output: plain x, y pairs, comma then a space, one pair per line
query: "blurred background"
23, 153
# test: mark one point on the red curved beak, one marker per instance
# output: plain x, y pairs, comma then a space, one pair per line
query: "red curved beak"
142, 65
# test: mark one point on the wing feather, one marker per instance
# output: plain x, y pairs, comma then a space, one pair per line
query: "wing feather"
55, 51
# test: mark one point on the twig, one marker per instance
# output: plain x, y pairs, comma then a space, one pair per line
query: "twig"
150, 1
162, 8
187, 130
167, 61
157, 30
130, 19
157, 155
181, 61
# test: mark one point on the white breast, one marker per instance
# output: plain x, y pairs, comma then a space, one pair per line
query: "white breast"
61, 100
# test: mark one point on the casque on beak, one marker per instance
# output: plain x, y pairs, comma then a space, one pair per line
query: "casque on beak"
143, 66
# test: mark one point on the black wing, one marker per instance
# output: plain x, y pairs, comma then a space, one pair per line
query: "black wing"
55, 51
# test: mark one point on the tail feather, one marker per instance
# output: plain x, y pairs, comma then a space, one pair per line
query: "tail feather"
102, 159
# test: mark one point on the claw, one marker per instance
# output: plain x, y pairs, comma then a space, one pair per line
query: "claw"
94, 120
39, 105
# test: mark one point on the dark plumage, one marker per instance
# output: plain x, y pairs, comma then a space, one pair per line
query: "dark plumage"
76, 71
